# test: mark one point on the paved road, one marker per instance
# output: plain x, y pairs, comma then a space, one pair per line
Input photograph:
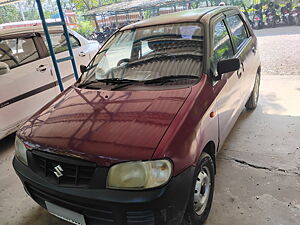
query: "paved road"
280, 50
258, 169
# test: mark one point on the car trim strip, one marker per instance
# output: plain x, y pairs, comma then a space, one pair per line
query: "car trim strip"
34, 92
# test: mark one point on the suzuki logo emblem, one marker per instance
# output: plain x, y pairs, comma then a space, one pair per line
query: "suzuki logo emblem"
58, 171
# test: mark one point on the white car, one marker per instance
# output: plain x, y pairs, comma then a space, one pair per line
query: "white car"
27, 76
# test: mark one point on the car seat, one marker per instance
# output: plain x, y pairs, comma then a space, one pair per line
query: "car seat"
6, 55
29, 51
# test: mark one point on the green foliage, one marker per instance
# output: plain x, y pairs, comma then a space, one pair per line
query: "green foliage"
84, 5
9, 13
109, 2
147, 14
85, 28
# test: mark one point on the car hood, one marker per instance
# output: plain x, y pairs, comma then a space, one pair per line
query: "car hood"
104, 126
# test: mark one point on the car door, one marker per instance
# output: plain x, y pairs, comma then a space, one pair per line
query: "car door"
227, 89
27, 86
87, 49
245, 48
81, 54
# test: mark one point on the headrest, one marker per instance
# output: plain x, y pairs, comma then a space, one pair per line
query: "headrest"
28, 46
4, 48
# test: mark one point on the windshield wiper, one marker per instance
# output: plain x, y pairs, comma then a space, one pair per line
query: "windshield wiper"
117, 81
87, 83
124, 85
108, 81
172, 78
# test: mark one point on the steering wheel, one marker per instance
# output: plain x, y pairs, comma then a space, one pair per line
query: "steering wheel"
125, 60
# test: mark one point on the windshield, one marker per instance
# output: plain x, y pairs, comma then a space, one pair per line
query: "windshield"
149, 53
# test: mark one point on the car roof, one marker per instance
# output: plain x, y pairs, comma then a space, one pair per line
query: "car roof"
180, 17
25, 31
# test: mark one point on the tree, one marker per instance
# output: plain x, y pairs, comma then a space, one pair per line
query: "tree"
85, 28
9, 13
84, 5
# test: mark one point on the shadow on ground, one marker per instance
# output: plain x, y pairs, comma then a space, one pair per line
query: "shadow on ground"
281, 30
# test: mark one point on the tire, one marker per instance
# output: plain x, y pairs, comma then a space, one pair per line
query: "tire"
290, 21
204, 182
297, 21
253, 99
273, 24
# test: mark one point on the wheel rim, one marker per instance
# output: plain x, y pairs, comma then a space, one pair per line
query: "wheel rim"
202, 190
256, 88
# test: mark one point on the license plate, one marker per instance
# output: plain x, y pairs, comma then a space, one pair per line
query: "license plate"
65, 214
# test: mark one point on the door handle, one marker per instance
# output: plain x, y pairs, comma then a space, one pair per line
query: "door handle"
239, 74
241, 70
242, 64
42, 68
82, 54
254, 49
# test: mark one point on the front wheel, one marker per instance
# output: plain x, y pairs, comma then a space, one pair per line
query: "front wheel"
273, 24
253, 99
202, 191
297, 21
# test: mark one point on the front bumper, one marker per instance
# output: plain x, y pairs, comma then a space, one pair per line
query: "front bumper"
165, 205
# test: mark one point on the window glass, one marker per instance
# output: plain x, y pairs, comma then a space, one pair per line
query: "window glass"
222, 45
18, 51
145, 48
59, 42
238, 30
150, 53
122, 48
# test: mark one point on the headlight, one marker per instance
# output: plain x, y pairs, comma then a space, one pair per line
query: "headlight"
21, 151
139, 175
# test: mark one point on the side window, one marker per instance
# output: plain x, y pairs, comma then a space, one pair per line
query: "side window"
59, 42
222, 47
18, 51
238, 30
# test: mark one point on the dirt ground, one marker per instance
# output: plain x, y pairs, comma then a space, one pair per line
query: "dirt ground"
258, 169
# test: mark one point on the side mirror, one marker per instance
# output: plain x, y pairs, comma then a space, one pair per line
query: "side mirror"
4, 68
83, 68
227, 65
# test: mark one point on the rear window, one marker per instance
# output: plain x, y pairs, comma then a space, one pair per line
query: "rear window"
59, 42
18, 51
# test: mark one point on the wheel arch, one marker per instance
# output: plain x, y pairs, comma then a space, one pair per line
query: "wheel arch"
210, 148
259, 69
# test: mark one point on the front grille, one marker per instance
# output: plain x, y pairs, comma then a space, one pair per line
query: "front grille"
64, 171
94, 214
140, 217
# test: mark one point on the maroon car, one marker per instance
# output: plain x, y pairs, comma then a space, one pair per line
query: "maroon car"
134, 140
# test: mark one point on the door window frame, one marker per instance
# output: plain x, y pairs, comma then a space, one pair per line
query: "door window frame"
34, 38
218, 18
44, 44
249, 35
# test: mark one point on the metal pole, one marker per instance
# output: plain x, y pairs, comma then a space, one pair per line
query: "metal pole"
21, 11
62, 16
51, 50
